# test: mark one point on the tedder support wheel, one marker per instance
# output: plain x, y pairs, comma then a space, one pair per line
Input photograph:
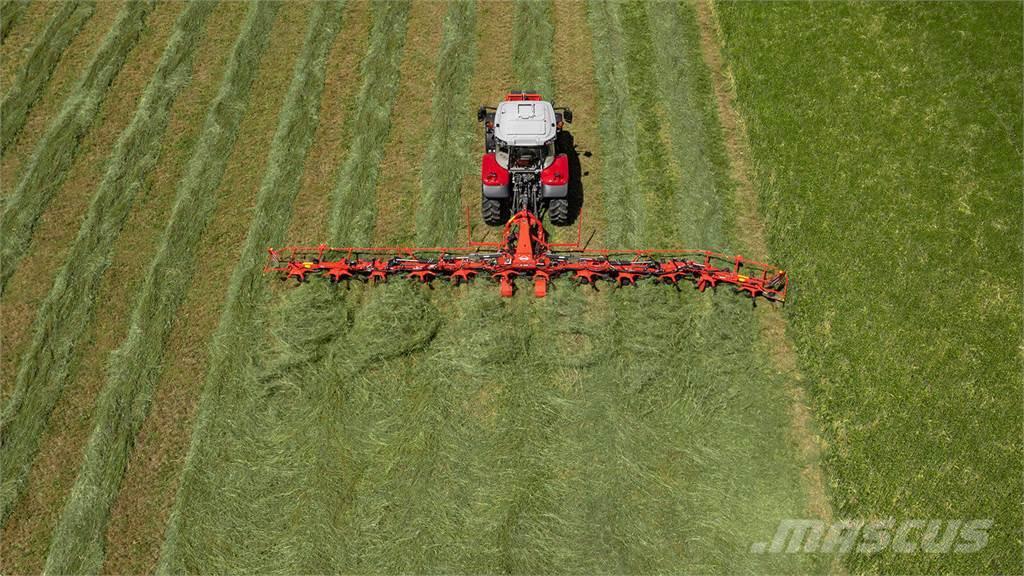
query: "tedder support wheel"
495, 211
558, 211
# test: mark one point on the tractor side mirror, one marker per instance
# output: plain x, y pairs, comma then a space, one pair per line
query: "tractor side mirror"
567, 115
481, 113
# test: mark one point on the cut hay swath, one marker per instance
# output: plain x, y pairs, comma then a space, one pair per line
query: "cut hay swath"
135, 367
450, 150
10, 12
272, 428
684, 90
658, 184
66, 313
33, 76
616, 125
486, 414
47, 168
371, 415
232, 349
675, 424
306, 430
532, 37
354, 198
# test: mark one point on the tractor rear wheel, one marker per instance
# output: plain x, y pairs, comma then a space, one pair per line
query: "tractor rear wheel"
558, 211
494, 211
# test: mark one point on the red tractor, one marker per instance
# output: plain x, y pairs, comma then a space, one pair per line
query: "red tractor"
523, 167
526, 172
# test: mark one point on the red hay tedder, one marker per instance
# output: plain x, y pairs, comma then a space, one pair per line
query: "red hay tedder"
522, 141
524, 252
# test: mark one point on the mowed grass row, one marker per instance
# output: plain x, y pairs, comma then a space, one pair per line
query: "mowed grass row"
413, 431
352, 403
68, 308
415, 424
279, 439
515, 383
398, 185
139, 515
232, 348
687, 113
532, 30
312, 206
615, 122
63, 81
135, 366
48, 166
15, 48
659, 180
573, 60
383, 393
10, 12
56, 229
655, 431
33, 76
444, 429
450, 147
303, 431
354, 206
513, 368
887, 146
62, 445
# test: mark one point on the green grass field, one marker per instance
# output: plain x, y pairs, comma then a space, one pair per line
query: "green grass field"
890, 179
232, 423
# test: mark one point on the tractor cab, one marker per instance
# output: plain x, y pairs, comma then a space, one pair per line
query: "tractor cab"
522, 168
530, 125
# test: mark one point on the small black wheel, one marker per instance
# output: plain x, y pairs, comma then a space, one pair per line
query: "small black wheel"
494, 211
558, 211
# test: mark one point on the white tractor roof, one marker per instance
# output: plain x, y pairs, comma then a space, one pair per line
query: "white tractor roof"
525, 123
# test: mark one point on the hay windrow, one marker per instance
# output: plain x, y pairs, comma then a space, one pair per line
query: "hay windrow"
683, 87
279, 424
47, 168
33, 76
231, 348
533, 33
68, 308
615, 123
353, 200
139, 516
450, 149
10, 12
135, 367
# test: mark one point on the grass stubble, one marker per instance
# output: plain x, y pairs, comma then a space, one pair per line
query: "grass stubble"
11, 12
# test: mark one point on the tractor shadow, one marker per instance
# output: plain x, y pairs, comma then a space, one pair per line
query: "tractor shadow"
566, 144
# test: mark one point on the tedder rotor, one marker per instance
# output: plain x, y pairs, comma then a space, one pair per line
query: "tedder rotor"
525, 253
538, 176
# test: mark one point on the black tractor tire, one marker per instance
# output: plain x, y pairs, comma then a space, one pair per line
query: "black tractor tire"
494, 211
558, 211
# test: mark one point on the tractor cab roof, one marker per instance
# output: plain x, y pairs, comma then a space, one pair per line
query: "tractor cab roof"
525, 122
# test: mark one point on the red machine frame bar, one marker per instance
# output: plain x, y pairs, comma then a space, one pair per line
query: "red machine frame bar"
525, 253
